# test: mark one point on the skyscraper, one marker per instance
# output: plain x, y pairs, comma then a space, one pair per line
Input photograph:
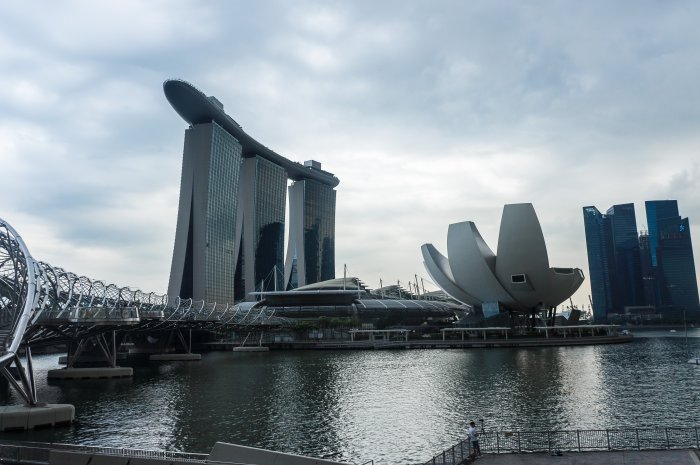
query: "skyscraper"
613, 259
204, 263
260, 227
627, 279
311, 252
230, 228
656, 210
600, 260
653, 270
674, 270
648, 271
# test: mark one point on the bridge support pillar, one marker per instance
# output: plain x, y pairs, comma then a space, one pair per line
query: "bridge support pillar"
175, 357
188, 356
101, 344
91, 373
21, 417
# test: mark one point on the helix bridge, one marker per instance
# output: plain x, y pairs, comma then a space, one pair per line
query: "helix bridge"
42, 304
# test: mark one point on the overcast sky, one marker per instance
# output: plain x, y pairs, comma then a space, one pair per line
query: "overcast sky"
429, 112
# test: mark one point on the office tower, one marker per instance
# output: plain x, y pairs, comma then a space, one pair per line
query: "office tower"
614, 260
654, 269
204, 263
656, 210
674, 268
311, 249
627, 279
648, 271
600, 260
260, 227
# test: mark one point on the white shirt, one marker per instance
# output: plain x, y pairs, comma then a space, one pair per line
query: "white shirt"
473, 435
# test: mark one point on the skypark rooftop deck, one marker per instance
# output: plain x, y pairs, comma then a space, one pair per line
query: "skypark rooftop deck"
196, 108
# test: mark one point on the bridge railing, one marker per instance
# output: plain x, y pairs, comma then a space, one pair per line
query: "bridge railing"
500, 442
34, 292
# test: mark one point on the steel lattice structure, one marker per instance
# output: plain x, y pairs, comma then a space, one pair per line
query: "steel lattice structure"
43, 304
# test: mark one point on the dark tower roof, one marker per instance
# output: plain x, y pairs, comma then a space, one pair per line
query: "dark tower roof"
196, 108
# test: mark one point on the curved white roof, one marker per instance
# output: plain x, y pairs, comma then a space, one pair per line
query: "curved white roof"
439, 270
522, 251
518, 276
472, 261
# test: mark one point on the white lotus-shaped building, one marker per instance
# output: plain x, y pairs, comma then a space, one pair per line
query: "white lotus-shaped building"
518, 277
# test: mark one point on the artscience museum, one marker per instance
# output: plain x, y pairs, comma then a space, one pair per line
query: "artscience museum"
516, 279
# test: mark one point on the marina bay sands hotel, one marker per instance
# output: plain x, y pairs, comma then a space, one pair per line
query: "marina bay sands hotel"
229, 239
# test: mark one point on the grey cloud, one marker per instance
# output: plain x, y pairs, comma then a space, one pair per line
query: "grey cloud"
429, 114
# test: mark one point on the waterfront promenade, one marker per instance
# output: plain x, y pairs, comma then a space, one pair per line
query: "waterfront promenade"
635, 457
622, 446
473, 343
29, 453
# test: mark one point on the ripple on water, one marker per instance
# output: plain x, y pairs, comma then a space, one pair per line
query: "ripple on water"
390, 406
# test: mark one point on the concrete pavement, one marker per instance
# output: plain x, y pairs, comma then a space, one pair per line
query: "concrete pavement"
645, 457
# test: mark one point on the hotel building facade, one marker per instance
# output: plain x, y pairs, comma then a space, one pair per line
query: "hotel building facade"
229, 240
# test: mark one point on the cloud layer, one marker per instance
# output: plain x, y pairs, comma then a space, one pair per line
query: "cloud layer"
428, 113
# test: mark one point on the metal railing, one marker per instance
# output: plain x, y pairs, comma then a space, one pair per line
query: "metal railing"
454, 455
38, 453
31, 452
500, 442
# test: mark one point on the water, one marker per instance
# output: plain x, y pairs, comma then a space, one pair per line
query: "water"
394, 407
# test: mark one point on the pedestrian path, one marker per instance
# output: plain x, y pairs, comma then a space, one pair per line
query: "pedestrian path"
646, 457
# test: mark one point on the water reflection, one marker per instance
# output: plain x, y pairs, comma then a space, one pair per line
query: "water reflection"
390, 406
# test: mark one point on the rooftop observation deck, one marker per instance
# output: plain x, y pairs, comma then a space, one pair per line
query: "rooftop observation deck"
196, 108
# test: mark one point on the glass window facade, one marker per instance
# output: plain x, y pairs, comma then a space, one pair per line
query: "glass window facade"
655, 269
676, 278
229, 240
270, 202
648, 273
224, 171
614, 259
319, 231
600, 258
657, 210
231, 219
627, 279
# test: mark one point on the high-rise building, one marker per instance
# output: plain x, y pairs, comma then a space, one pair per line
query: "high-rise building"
311, 251
648, 271
627, 279
614, 259
260, 227
600, 260
203, 257
674, 270
654, 270
657, 210
229, 240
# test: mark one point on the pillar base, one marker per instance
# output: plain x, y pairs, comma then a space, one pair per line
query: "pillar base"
94, 359
251, 349
91, 373
22, 417
175, 357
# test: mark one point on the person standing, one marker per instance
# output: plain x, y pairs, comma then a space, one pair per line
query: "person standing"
474, 439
